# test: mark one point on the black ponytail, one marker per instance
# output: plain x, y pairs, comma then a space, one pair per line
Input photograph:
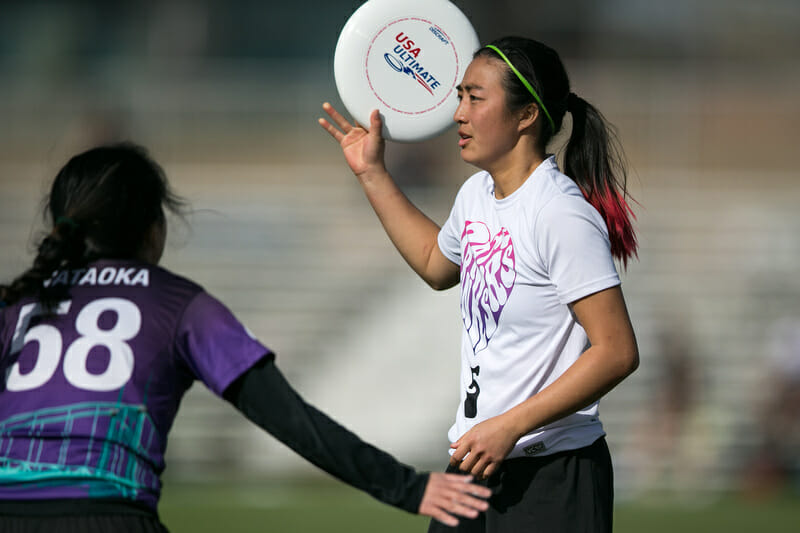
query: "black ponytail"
64, 246
593, 158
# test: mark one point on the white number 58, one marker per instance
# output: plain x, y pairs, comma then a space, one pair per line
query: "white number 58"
120, 362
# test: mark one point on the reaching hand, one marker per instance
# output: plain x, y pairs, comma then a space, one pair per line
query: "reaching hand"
481, 449
363, 149
447, 495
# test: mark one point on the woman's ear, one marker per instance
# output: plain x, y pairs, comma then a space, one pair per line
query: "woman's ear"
528, 116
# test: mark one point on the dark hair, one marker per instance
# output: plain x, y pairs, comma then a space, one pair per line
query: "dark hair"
593, 156
102, 204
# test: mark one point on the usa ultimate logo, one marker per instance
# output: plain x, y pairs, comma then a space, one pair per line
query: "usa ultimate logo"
404, 60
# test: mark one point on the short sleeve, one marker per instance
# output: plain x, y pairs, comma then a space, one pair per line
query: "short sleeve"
450, 236
215, 345
573, 245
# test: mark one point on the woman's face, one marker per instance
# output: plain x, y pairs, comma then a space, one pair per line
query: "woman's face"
487, 129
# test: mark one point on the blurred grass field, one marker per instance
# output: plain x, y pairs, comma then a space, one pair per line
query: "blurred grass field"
308, 506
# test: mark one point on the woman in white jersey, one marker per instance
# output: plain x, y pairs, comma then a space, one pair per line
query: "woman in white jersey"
546, 331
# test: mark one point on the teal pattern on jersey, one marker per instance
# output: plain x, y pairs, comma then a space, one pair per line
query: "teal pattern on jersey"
116, 442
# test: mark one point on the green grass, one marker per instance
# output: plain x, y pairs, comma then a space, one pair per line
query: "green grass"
728, 515
294, 507
299, 507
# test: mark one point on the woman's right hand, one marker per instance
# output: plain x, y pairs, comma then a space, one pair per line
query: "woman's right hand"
450, 495
363, 149
410, 230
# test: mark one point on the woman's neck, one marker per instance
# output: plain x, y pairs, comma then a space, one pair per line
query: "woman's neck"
511, 172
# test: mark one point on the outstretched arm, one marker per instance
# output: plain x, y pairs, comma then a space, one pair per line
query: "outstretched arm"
410, 230
264, 396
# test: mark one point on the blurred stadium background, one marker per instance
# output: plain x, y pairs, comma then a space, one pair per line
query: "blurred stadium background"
226, 95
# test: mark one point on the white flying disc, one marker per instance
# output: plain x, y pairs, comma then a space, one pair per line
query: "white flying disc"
404, 58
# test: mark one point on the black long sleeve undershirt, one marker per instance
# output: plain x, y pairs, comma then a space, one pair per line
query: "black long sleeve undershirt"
264, 396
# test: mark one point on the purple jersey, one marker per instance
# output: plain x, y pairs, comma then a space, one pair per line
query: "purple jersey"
89, 394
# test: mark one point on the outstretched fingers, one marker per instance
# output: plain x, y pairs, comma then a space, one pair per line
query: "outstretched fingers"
344, 127
448, 496
330, 128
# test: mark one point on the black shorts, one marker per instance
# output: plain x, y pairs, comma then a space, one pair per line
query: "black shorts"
77, 516
566, 492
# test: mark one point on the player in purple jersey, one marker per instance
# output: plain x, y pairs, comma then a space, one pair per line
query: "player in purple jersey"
98, 345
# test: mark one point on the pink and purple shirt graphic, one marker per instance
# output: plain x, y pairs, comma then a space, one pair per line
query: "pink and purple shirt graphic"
487, 279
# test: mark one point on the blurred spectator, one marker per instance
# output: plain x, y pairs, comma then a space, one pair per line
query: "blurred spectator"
669, 441
775, 465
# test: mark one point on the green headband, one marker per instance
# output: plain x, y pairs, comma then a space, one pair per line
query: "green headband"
525, 83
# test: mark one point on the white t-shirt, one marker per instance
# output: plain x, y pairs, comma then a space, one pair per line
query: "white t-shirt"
523, 259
